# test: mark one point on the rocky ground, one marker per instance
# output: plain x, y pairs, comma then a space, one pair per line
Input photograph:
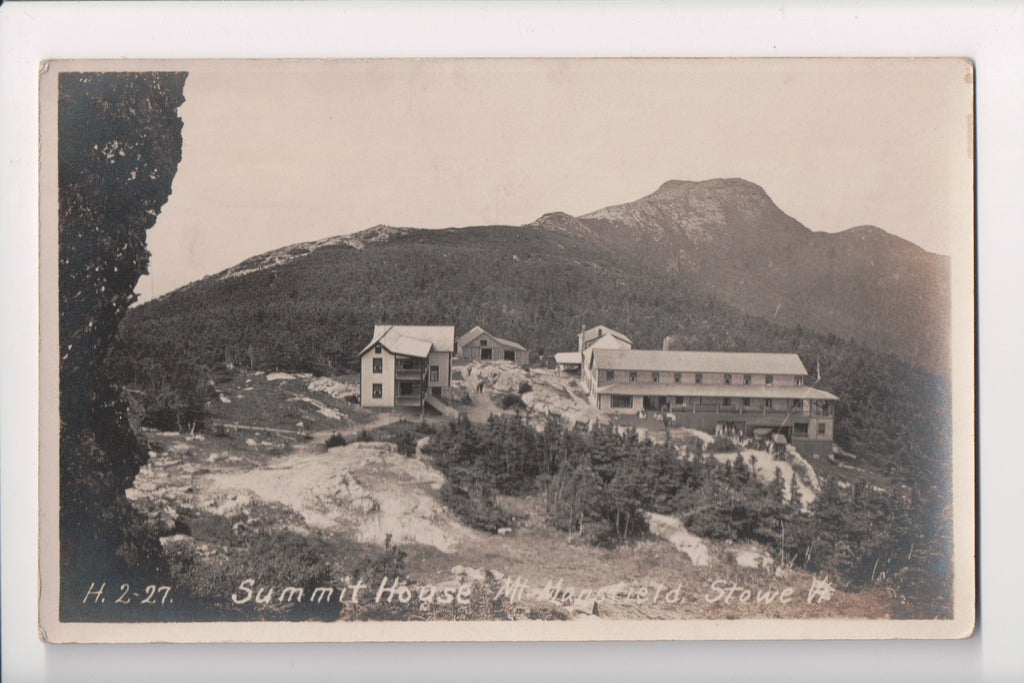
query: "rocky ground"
214, 493
547, 392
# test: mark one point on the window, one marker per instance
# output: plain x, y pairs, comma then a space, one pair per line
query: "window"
622, 401
799, 381
767, 403
378, 390
726, 401
698, 378
769, 379
728, 379
680, 400
678, 377
377, 348
378, 365
746, 379
655, 376
609, 375
510, 355
483, 342
797, 404
821, 429
435, 373
800, 429
632, 377
486, 354
746, 403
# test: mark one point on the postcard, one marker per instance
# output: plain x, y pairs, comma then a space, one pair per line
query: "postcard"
506, 349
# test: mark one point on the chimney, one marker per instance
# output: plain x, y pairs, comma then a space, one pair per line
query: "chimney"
666, 343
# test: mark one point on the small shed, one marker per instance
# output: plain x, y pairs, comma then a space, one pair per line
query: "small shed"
479, 344
568, 362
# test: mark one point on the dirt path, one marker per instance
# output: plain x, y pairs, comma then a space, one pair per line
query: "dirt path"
350, 433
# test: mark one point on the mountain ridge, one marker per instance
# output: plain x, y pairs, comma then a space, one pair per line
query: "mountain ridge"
727, 239
734, 242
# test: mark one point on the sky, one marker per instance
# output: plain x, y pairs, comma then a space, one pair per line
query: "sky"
279, 152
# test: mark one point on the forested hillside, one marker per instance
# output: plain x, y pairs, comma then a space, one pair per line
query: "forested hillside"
538, 287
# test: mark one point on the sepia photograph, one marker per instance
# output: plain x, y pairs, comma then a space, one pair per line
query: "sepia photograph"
507, 349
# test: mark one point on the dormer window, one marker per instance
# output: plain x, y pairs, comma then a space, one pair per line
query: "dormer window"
377, 348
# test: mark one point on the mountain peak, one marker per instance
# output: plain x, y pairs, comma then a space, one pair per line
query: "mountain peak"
561, 221
673, 189
699, 211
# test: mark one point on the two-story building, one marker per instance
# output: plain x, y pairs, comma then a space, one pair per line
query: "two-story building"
752, 394
403, 363
480, 345
599, 337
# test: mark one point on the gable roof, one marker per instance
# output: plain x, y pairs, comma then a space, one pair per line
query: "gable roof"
407, 346
611, 341
470, 336
478, 331
413, 340
602, 330
717, 390
698, 361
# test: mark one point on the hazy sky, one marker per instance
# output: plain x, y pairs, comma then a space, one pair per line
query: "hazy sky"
282, 152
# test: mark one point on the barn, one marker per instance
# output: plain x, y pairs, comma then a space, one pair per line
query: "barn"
479, 344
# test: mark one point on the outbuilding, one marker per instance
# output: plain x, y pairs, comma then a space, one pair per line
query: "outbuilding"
480, 345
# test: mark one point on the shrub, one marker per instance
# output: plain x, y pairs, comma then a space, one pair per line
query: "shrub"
511, 401
388, 562
406, 443
468, 494
721, 444
335, 439
693, 445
